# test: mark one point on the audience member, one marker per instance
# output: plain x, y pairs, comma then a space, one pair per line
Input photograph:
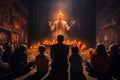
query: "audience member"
42, 62
114, 65
42, 65
76, 68
4, 66
59, 55
7, 54
19, 62
98, 60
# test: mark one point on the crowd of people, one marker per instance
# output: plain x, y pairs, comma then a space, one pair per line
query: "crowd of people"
14, 61
103, 63
60, 66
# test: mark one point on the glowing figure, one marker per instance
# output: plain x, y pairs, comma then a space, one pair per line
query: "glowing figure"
60, 26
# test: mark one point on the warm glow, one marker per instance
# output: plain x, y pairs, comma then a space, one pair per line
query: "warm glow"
46, 42
16, 25
58, 13
34, 47
33, 50
105, 38
83, 47
67, 42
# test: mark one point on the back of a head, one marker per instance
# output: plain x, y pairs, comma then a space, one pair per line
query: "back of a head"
113, 47
60, 38
100, 50
74, 49
41, 48
23, 47
8, 47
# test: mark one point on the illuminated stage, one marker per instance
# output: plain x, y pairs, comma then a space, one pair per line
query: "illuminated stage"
73, 18
33, 50
51, 42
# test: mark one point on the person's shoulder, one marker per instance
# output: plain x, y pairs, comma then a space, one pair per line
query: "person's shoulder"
57, 44
64, 21
95, 55
53, 45
38, 55
25, 53
46, 56
65, 45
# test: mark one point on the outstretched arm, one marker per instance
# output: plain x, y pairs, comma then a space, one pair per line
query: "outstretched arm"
52, 25
71, 24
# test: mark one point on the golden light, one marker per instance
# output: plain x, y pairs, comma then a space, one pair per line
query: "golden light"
58, 13
105, 38
78, 43
34, 47
81, 46
16, 25
33, 50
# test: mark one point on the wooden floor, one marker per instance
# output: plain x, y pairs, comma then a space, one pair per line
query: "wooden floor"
34, 70
84, 55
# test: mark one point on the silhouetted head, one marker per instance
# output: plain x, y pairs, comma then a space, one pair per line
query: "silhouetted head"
41, 48
60, 38
100, 50
23, 47
74, 49
113, 47
8, 47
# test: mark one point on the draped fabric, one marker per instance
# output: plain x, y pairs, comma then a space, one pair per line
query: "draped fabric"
38, 27
85, 13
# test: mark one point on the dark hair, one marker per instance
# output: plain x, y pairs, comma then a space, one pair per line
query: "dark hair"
9, 47
60, 38
74, 49
23, 47
100, 50
113, 47
41, 48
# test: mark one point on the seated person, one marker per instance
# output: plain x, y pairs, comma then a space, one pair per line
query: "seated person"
59, 60
7, 54
18, 62
42, 62
4, 67
98, 60
114, 65
76, 68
